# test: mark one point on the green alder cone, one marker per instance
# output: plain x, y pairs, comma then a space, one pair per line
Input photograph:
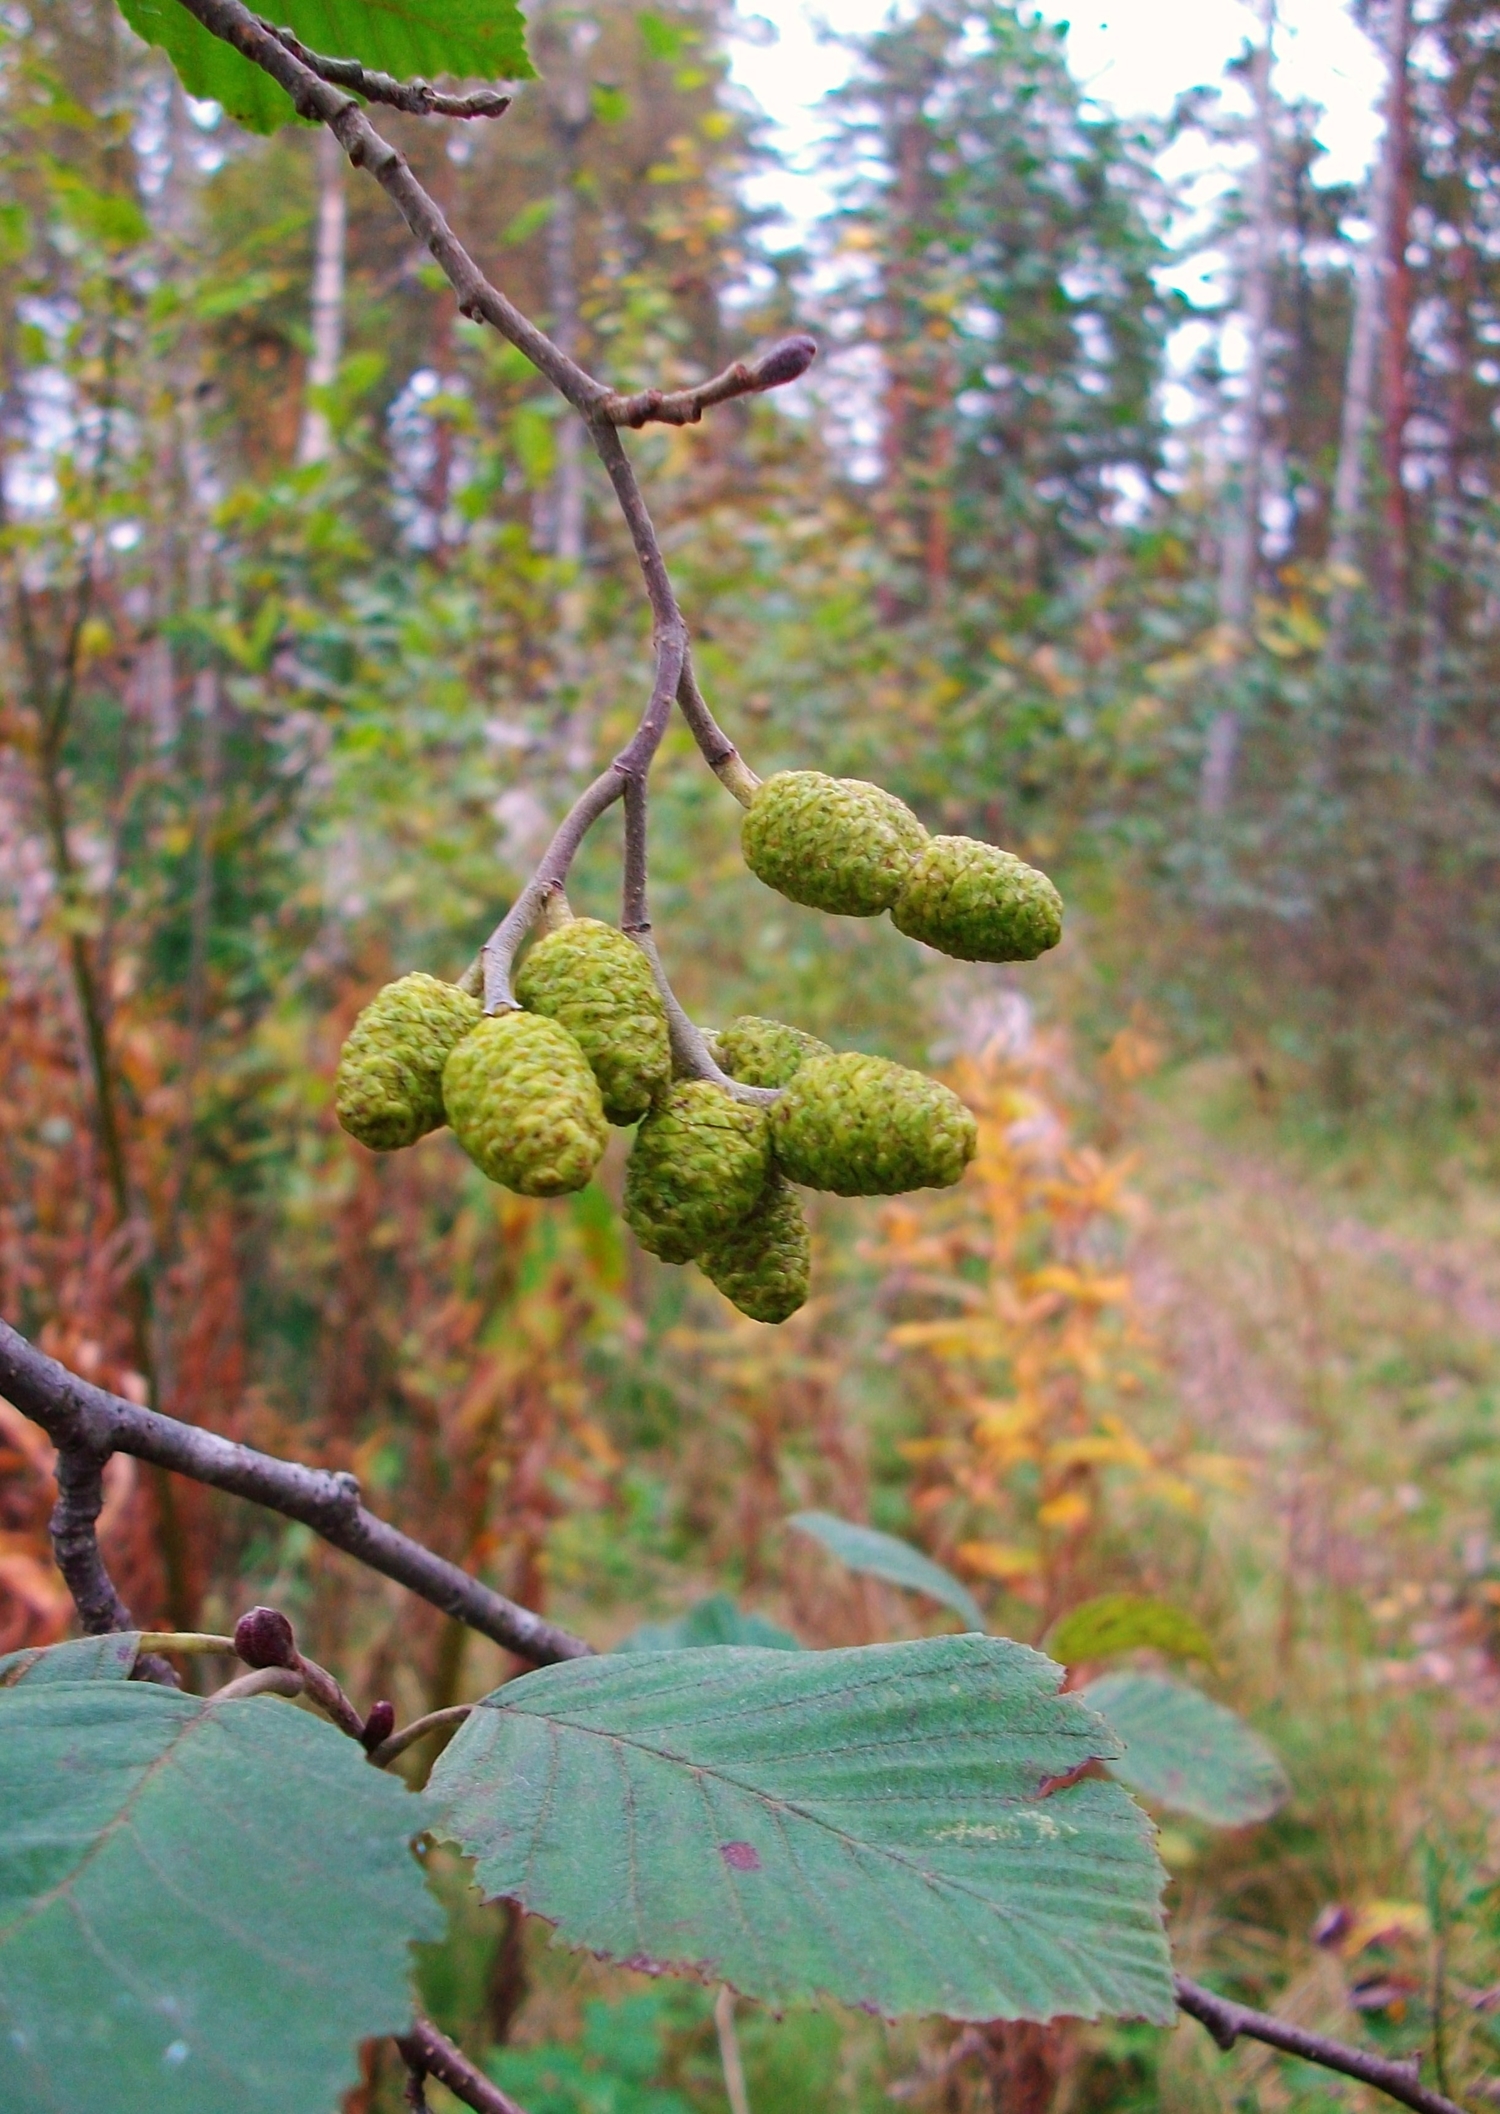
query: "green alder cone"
389, 1090
763, 1264
698, 1165
765, 1052
598, 984
835, 844
525, 1106
978, 903
862, 1126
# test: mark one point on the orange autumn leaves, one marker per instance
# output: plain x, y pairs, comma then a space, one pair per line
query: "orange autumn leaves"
1018, 1320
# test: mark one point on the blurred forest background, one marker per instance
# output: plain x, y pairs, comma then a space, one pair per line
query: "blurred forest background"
314, 612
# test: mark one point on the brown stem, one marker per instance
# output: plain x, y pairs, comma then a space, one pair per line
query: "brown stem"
629, 768
435, 1721
1228, 2022
428, 2053
77, 1416
416, 98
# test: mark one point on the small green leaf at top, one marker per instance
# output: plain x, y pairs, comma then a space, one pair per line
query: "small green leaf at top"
713, 1621
887, 1557
203, 1906
483, 39
1186, 1752
110, 1658
1123, 1622
902, 1827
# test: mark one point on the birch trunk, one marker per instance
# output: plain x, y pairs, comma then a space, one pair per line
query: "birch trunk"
1240, 553
315, 441
1357, 410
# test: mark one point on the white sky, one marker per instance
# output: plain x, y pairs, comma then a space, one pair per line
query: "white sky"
1133, 55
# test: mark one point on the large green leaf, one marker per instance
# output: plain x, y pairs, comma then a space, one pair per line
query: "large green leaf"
1122, 1622
203, 1906
109, 1658
887, 1556
893, 1826
483, 38
1185, 1751
713, 1621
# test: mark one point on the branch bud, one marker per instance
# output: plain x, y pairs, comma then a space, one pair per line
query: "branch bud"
264, 1637
786, 361
379, 1726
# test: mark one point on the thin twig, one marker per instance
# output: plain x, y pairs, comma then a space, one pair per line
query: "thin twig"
1228, 2022
691, 1056
79, 1417
388, 1750
432, 2054
190, 1643
260, 1681
718, 751
629, 767
416, 98
684, 407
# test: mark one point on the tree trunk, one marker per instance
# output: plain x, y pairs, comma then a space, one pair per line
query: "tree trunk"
1395, 542
1240, 552
315, 441
1357, 410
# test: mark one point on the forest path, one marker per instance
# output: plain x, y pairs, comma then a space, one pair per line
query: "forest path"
1334, 1318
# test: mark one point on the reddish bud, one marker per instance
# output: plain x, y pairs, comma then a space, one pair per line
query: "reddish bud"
784, 362
379, 1726
264, 1637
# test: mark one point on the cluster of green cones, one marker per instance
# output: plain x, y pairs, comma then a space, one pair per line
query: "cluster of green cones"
711, 1178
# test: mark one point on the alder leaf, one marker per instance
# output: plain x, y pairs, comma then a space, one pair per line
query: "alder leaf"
1187, 1752
109, 1658
713, 1621
202, 1905
895, 1827
484, 39
1121, 1622
887, 1556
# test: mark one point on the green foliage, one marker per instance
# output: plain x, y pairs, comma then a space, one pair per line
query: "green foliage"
212, 1912
732, 1798
713, 1621
886, 1556
408, 38
1123, 1622
610, 2071
1186, 1752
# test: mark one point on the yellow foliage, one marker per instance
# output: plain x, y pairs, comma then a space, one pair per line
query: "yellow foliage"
1021, 1332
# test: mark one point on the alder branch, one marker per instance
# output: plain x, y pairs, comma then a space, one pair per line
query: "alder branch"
602, 409
83, 1419
1229, 2022
428, 2053
416, 98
